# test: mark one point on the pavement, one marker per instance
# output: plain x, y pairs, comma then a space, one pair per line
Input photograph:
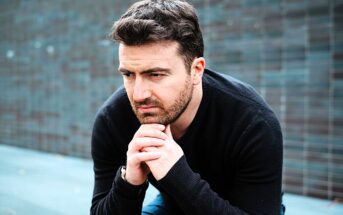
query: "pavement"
39, 183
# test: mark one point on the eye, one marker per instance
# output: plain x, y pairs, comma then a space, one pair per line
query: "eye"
156, 75
128, 74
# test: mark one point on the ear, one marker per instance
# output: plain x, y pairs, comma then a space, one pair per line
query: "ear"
197, 69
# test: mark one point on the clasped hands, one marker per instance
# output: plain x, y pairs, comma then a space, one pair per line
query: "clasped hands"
152, 149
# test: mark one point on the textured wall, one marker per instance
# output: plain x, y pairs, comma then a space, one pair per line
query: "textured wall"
292, 52
57, 68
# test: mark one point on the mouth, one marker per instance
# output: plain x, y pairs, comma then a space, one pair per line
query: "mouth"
147, 108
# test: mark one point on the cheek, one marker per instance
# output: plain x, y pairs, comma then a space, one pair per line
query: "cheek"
161, 94
167, 95
128, 90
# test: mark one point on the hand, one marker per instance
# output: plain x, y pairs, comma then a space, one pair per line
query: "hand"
148, 135
170, 152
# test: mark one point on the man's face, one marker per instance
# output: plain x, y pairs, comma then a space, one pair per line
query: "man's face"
156, 80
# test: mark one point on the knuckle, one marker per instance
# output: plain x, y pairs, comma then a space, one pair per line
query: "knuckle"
131, 145
157, 132
138, 133
129, 159
135, 144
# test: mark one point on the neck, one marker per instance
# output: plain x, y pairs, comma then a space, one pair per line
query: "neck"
179, 127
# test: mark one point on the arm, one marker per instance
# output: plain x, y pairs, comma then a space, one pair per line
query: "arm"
112, 195
257, 188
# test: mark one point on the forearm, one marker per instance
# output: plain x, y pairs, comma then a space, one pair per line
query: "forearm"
122, 199
194, 195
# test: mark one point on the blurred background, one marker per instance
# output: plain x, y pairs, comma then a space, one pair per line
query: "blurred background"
58, 67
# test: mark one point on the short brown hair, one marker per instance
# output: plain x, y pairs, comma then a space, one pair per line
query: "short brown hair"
155, 20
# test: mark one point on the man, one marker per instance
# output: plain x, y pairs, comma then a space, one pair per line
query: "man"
207, 142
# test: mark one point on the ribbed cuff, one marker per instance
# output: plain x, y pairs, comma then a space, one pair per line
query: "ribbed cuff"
128, 190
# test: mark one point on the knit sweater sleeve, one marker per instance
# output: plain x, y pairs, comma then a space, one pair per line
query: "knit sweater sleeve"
112, 195
193, 194
257, 187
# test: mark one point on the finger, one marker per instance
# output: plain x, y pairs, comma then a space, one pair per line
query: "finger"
168, 131
154, 126
150, 132
140, 157
138, 143
150, 149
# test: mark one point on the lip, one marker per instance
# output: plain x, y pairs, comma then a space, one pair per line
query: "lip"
146, 109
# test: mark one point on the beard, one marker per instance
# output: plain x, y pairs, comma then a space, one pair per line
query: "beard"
165, 115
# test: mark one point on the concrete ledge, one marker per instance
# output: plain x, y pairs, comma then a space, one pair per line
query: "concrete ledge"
41, 183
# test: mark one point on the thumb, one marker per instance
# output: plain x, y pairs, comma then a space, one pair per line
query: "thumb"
168, 131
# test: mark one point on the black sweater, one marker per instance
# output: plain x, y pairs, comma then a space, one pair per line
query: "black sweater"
232, 161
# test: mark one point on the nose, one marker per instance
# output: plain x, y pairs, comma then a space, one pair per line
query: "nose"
141, 90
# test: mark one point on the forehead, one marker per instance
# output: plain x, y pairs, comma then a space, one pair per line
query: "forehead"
149, 55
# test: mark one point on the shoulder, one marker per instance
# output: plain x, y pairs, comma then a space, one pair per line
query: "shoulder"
229, 88
236, 102
116, 111
110, 134
116, 100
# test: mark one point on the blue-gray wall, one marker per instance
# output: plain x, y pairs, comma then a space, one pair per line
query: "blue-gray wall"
57, 67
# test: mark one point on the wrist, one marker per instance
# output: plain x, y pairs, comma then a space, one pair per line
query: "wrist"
130, 191
126, 176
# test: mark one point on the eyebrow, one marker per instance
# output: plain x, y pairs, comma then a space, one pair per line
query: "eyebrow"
155, 69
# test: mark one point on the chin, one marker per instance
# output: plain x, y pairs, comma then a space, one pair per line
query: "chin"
153, 120
149, 120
